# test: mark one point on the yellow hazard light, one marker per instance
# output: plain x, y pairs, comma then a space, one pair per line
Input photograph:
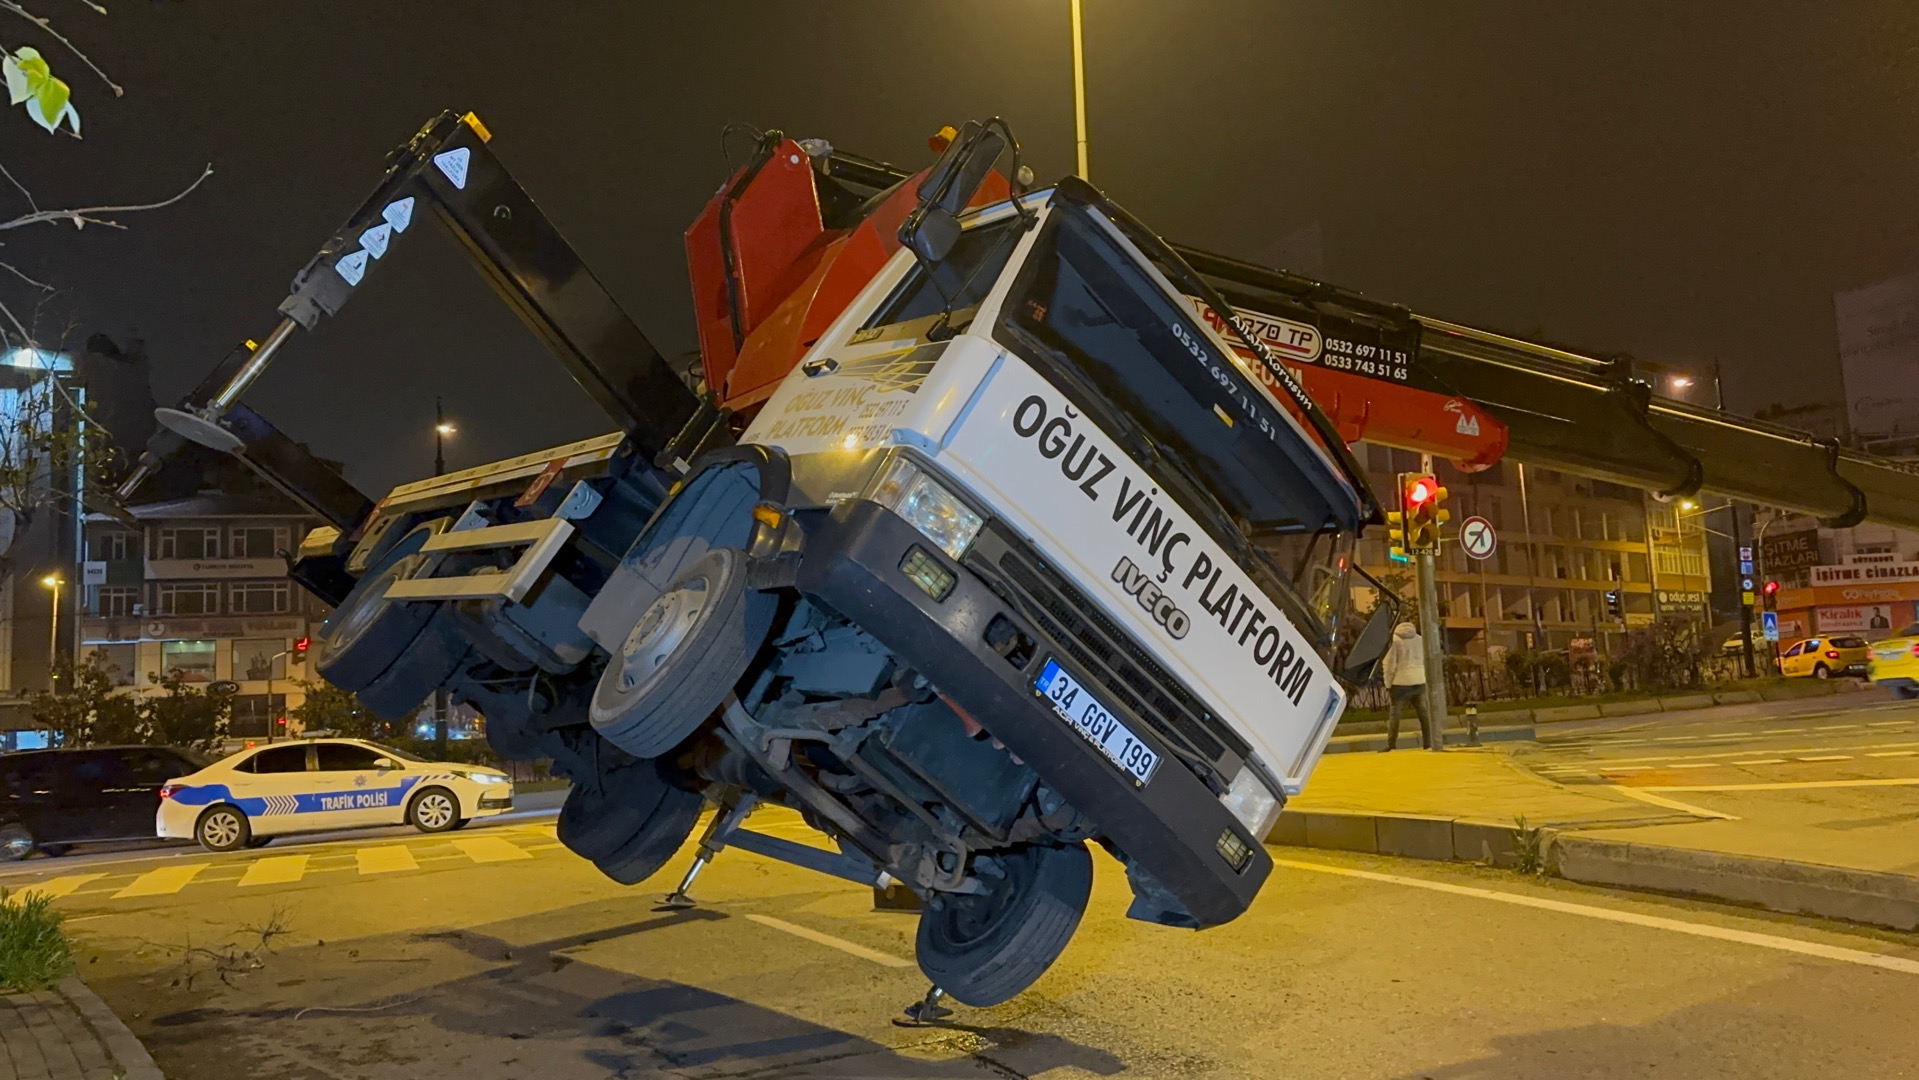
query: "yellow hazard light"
472, 120
768, 515
252, 345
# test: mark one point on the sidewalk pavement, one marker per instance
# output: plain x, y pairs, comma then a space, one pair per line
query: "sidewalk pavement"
1476, 805
68, 1033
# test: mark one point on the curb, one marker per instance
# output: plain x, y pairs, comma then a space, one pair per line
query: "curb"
1704, 699
1795, 888
1348, 744
132, 1058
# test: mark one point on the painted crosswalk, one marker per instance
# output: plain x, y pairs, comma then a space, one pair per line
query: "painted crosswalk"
148, 877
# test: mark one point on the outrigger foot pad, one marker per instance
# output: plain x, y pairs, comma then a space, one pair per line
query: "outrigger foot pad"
927, 1012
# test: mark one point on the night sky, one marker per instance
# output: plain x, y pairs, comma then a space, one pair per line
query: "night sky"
1678, 184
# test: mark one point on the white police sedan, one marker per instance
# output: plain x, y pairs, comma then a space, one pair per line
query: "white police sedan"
246, 798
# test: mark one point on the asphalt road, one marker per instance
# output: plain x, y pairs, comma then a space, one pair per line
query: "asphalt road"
493, 953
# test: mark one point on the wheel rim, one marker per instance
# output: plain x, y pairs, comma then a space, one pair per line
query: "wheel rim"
16, 844
435, 810
222, 829
346, 627
1820, 673
661, 630
964, 920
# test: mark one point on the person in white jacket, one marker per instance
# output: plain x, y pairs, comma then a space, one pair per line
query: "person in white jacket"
1404, 670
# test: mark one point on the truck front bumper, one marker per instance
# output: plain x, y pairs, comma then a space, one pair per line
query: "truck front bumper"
1174, 827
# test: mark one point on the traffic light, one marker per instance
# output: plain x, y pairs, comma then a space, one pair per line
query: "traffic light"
1615, 604
1420, 497
300, 648
1771, 593
1396, 537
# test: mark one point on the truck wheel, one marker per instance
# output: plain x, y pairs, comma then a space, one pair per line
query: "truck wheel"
682, 656
366, 634
984, 948
664, 831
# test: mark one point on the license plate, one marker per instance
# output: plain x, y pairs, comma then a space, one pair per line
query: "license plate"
1888, 654
1092, 719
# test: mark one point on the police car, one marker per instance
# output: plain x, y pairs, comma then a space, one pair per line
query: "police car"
247, 798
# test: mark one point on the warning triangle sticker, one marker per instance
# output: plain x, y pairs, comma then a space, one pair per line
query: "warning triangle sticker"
399, 213
375, 239
352, 267
454, 163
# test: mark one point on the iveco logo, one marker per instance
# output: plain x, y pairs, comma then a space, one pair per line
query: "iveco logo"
1157, 604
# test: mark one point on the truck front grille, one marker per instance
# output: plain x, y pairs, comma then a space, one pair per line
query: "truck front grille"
1109, 654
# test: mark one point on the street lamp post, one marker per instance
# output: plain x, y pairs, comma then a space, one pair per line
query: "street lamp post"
441, 429
1079, 92
52, 581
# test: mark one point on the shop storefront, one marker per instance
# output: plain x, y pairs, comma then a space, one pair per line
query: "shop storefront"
1843, 600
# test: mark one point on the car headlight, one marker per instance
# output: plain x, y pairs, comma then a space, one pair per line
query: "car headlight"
1252, 802
928, 506
481, 777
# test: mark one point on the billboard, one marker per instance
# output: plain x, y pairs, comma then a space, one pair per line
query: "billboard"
1789, 551
1879, 355
1857, 618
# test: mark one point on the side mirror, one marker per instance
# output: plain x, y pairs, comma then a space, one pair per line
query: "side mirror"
385, 764
1370, 644
932, 229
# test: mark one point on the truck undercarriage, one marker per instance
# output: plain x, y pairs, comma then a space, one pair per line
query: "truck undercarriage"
850, 577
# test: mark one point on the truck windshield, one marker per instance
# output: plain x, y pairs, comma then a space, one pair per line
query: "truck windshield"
1142, 365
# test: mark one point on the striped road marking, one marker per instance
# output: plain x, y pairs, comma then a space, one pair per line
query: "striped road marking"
1796, 785
1862, 957
490, 849
385, 859
1644, 795
55, 888
164, 881
275, 870
831, 942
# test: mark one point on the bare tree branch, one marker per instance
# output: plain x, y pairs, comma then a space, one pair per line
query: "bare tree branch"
84, 215
10, 5
102, 10
20, 187
16, 272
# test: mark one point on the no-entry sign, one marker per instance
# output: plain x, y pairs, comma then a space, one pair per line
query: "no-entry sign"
1476, 537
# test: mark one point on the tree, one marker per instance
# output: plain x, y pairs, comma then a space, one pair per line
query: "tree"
90, 713
42, 439
329, 708
184, 715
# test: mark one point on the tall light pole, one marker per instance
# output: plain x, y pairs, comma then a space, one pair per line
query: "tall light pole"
441, 429
1079, 92
52, 581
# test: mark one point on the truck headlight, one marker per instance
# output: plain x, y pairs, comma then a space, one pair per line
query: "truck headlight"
1252, 802
928, 506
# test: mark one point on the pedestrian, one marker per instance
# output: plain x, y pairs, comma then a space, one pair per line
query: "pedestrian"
1405, 673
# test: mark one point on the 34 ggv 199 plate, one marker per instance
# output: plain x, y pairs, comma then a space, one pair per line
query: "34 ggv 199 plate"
1077, 706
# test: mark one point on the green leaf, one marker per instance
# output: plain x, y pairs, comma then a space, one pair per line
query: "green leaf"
51, 96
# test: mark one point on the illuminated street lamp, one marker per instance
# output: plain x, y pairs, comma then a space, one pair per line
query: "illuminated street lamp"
441, 429
1680, 382
52, 581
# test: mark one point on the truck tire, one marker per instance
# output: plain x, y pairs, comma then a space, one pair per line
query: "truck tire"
662, 834
363, 637
983, 949
602, 814
427, 664
683, 655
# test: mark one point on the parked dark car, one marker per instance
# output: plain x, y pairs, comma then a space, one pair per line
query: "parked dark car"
52, 799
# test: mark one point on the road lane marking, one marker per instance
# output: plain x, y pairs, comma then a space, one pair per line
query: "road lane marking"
54, 888
1644, 795
384, 859
1728, 735
1781, 731
831, 942
164, 881
1695, 765
1779, 760
1605, 763
1894, 753
1793, 785
1889, 723
1827, 757
485, 849
275, 870
1836, 727
1822, 951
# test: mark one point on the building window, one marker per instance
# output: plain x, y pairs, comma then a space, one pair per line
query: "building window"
189, 598
115, 601
109, 546
255, 715
259, 597
256, 542
192, 659
119, 660
190, 543
259, 659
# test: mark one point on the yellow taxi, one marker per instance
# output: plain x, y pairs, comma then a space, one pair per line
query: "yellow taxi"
1826, 657
1895, 662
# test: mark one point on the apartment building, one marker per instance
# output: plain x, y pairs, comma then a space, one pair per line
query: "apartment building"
1564, 543
201, 588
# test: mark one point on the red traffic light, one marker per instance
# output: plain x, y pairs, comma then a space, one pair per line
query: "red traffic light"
1419, 491
1771, 587
282, 721
300, 646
